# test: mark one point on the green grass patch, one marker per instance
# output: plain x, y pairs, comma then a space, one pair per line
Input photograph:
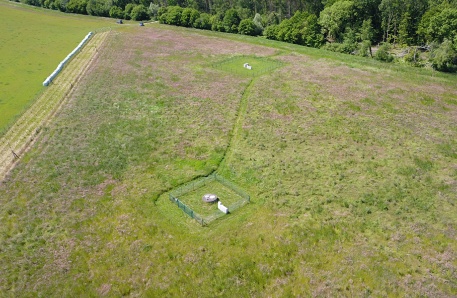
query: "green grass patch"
427, 101
260, 65
35, 41
189, 197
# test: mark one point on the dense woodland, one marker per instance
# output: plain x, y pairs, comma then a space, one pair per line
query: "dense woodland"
415, 32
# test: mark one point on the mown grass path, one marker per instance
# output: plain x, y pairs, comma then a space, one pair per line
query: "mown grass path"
234, 135
23, 133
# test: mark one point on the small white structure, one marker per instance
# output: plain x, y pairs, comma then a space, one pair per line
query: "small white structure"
246, 65
210, 198
222, 207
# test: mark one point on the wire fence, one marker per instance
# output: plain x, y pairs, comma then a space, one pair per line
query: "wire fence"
201, 182
232, 186
187, 210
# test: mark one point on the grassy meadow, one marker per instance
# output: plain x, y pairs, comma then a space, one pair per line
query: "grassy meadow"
34, 42
351, 166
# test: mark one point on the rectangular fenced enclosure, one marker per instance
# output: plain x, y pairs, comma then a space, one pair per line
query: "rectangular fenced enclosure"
260, 65
189, 197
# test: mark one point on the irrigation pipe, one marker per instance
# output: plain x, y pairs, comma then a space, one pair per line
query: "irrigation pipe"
68, 58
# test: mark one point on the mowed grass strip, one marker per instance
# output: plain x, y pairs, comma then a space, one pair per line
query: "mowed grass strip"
25, 129
34, 42
193, 199
259, 65
351, 193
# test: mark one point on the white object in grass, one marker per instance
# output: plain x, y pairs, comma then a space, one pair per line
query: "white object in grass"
222, 207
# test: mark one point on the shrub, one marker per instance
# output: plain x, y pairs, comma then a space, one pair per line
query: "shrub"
364, 49
31, 2
349, 41
272, 19
271, 32
162, 10
139, 13
334, 47
216, 23
127, 10
77, 6
98, 8
302, 28
116, 12
231, 21
247, 27
172, 16
290, 29
154, 10
311, 32
383, 53
61, 5
444, 58
347, 48
258, 24
189, 16
203, 22
413, 57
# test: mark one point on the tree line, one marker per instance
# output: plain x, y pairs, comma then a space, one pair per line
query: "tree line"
416, 32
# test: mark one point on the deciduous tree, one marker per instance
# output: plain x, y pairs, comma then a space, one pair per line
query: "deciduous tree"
231, 21
247, 27
139, 13
116, 12
336, 18
391, 12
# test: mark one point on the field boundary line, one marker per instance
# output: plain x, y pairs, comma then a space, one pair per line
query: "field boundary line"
24, 132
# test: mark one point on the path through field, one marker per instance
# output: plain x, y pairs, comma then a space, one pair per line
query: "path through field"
23, 133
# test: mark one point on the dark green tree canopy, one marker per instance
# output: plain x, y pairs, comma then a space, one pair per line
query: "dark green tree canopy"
348, 26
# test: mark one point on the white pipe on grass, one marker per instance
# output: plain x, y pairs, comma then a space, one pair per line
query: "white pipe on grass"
69, 56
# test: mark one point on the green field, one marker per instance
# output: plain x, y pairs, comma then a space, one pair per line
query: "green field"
351, 165
34, 42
